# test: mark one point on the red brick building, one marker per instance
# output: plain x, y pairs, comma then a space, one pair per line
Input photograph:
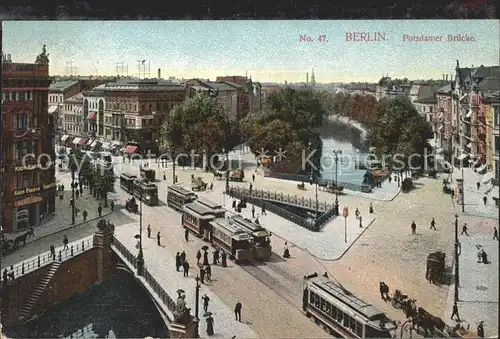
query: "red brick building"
29, 189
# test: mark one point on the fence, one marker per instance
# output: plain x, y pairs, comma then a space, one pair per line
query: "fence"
155, 286
46, 258
304, 178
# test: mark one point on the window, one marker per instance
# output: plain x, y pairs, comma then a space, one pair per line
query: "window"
347, 321
317, 301
359, 329
312, 297
430, 109
26, 181
340, 316
334, 312
323, 305
34, 147
21, 121
22, 96
328, 308
496, 118
497, 144
35, 122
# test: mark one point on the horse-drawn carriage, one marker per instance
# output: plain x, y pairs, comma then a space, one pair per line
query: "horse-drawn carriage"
331, 188
435, 271
197, 184
301, 187
237, 175
7, 245
219, 175
131, 205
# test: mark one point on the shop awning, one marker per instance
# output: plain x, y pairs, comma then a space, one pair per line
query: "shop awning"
91, 115
462, 156
130, 149
64, 137
83, 141
52, 109
96, 144
91, 140
76, 141
469, 145
106, 145
469, 114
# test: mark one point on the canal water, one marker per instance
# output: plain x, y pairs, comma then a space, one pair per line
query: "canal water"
349, 140
117, 308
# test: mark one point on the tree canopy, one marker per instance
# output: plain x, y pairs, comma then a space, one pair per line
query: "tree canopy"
361, 108
198, 124
399, 129
289, 121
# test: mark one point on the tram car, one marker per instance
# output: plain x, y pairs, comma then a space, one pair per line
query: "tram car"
232, 239
148, 174
262, 249
341, 312
146, 191
127, 182
178, 196
197, 215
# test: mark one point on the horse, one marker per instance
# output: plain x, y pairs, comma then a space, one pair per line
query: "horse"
218, 174
409, 308
428, 322
22, 238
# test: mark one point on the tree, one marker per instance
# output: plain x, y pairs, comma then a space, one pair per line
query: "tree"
104, 180
399, 129
199, 124
79, 164
289, 121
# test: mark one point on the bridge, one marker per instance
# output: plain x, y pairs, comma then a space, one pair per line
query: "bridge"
318, 213
93, 259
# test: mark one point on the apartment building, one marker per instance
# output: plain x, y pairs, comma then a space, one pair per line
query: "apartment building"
58, 92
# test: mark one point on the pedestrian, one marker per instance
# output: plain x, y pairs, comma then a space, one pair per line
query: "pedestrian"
251, 188
202, 275
84, 214
183, 256
485, 198
5, 277
164, 176
211, 186
206, 300
186, 234
433, 224
382, 291
325, 274
53, 252
77, 194
253, 177
224, 259
495, 233
149, 231
208, 271
205, 258
263, 209
356, 213
237, 311
81, 190
112, 204
234, 204
464, 230
286, 251
478, 185
178, 263
65, 242
99, 210
371, 208
210, 325
198, 257
185, 266
455, 312
360, 221
413, 228
216, 257
253, 211
158, 238
480, 330
390, 179
32, 232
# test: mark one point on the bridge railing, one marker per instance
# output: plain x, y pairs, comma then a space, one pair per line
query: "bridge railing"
155, 286
34, 263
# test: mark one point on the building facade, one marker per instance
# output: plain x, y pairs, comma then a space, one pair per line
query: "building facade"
135, 110
493, 137
442, 121
28, 183
94, 102
58, 92
225, 94
73, 115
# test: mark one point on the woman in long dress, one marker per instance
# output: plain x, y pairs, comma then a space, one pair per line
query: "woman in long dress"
210, 325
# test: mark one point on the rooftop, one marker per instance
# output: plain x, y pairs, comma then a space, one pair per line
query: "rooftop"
78, 98
490, 84
61, 86
142, 85
427, 100
446, 89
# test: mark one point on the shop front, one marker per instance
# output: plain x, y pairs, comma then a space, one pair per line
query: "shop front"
62, 141
32, 205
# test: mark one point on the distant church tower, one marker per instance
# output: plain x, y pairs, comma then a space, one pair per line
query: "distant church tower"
313, 81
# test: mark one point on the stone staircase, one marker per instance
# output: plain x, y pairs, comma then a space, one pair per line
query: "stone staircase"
38, 291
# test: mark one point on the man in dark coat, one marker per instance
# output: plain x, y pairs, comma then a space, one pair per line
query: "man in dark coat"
216, 257
206, 300
202, 275
158, 238
183, 256
149, 231
495, 233
464, 230
263, 210
382, 291
433, 224
186, 234
208, 271
224, 259
178, 263
52, 252
480, 330
413, 228
185, 265
237, 311
198, 257
205, 258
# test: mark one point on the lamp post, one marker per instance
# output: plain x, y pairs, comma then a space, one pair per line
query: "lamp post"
463, 189
140, 255
456, 258
337, 153
227, 169
313, 179
73, 195
197, 306
173, 167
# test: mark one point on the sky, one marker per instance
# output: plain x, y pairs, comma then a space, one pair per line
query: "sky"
269, 51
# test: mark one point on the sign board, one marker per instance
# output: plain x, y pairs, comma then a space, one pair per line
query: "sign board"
345, 212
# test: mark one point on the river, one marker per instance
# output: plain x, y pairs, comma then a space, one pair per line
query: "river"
117, 308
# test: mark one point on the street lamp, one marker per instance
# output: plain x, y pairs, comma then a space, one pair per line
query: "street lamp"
197, 306
140, 255
173, 167
73, 210
337, 153
456, 258
313, 179
227, 168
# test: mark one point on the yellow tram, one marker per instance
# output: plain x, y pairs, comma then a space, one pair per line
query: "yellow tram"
178, 196
232, 238
343, 313
127, 182
146, 191
262, 249
197, 215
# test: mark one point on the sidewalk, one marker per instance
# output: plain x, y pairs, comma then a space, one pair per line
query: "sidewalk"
160, 262
478, 291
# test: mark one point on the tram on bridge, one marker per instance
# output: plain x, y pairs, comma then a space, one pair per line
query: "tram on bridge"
260, 237
341, 312
178, 196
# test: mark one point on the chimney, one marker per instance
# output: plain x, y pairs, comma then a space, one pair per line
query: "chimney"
159, 73
307, 77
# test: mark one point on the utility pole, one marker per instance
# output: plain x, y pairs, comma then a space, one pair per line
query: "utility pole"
336, 153
69, 68
140, 256
457, 246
